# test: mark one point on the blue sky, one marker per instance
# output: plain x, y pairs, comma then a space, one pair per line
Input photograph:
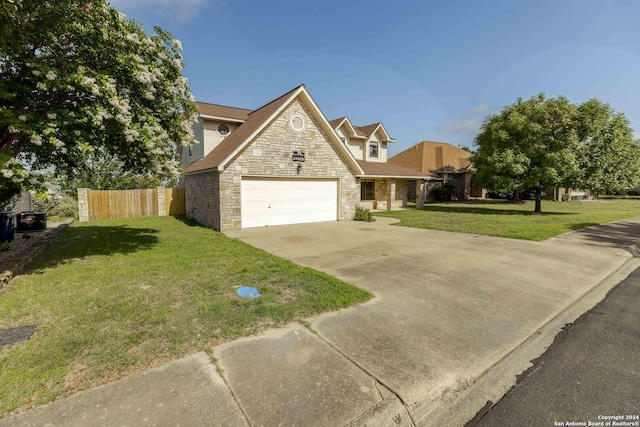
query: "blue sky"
428, 70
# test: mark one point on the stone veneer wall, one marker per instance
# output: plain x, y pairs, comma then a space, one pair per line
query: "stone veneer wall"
269, 155
382, 193
202, 198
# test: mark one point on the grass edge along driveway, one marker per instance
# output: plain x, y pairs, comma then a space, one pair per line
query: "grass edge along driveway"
516, 221
115, 297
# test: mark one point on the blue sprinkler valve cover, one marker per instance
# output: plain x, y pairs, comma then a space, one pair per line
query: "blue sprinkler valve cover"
248, 292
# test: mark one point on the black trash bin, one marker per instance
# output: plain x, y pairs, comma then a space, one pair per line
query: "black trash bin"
6, 226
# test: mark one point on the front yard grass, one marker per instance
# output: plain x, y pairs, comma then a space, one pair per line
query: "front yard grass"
115, 297
494, 218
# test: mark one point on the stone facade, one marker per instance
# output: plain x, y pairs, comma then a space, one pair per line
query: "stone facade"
214, 199
393, 190
202, 198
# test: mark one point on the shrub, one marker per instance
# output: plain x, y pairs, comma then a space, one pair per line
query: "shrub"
57, 206
363, 214
444, 193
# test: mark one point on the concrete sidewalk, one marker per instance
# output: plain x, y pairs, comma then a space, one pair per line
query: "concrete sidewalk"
456, 317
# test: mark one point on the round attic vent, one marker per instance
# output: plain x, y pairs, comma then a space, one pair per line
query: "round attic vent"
297, 123
223, 129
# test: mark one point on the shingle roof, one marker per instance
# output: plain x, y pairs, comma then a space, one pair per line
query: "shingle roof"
222, 111
336, 122
367, 130
389, 171
236, 138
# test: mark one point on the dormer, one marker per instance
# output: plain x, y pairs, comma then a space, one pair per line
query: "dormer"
215, 123
368, 143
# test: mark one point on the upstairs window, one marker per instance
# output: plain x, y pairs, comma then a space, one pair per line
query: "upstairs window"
373, 149
190, 151
367, 189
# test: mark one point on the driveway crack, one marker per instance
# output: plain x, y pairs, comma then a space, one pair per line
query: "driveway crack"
375, 380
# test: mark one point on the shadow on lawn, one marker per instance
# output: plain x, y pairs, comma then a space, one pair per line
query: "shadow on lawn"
489, 211
620, 234
81, 242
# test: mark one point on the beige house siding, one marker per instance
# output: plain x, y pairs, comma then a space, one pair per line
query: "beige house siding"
197, 150
355, 146
269, 155
211, 136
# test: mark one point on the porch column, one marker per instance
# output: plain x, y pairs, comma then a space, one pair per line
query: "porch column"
419, 194
391, 193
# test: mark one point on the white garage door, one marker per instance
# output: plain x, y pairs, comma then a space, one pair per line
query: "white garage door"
278, 202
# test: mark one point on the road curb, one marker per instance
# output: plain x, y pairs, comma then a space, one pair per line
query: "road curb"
459, 408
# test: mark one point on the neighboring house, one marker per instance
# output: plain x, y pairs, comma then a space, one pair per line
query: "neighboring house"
442, 162
285, 163
562, 194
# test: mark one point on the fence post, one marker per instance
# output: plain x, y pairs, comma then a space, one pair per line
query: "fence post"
83, 204
162, 206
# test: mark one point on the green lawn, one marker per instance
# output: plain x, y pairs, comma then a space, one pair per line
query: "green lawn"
114, 297
501, 219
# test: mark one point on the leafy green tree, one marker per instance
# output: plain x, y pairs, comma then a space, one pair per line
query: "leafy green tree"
76, 77
101, 170
531, 145
609, 155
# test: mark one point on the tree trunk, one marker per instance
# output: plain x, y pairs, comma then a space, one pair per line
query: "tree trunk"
538, 200
516, 197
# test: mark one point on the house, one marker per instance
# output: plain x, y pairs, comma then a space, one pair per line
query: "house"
443, 162
285, 163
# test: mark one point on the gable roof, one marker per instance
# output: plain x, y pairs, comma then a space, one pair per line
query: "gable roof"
369, 130
215, 111
361, 132
344, 121
257, 120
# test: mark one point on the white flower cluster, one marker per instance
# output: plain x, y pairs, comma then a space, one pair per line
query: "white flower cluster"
13, 170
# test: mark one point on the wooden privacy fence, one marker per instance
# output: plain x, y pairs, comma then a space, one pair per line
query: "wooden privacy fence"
107, 204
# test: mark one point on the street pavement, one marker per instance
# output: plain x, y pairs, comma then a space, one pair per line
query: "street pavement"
590, 375
455, 318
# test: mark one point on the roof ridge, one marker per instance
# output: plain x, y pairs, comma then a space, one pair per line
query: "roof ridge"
277, 99
225, 106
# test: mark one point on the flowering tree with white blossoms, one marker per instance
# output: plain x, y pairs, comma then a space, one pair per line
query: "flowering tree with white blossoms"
77, 76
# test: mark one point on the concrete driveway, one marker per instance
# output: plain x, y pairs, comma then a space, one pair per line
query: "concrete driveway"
456, 317
449, 306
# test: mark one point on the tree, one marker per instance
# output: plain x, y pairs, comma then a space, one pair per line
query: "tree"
530, 145
76, 77
104, 171
609, 155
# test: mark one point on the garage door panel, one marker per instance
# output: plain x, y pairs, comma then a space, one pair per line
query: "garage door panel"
278, 202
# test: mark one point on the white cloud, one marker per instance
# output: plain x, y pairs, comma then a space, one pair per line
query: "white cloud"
181, 10
461, 126
480, 109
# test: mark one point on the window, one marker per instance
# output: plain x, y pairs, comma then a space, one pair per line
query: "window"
190, 151
373, 149
367, 189
223, 129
